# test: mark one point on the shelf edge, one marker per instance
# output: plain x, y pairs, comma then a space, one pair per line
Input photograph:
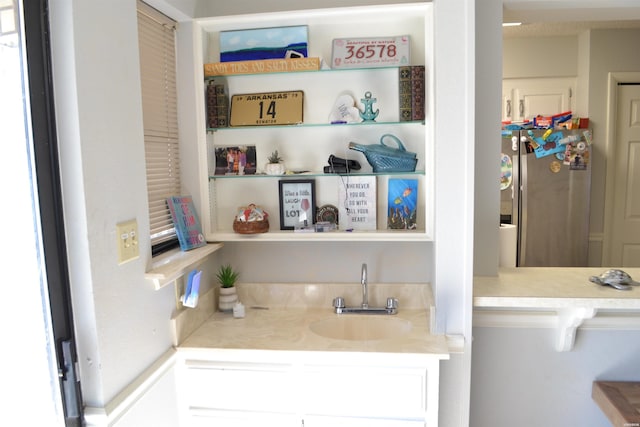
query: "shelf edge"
170, 266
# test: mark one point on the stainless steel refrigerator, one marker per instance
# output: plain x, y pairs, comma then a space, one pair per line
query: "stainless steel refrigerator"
545, 187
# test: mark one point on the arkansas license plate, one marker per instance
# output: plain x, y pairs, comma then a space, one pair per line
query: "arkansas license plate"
267, 109
370, 52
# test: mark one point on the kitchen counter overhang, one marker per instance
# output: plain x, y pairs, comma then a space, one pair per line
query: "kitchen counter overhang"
565, 292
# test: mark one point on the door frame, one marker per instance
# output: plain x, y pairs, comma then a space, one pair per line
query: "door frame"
610, 151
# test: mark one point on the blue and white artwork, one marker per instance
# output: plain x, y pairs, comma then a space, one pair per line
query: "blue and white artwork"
263, 43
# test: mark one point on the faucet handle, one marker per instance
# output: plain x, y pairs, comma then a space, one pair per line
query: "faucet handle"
338, 302
392, 303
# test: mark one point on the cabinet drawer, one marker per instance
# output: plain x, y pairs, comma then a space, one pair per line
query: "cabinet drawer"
238, 386
319, 421
214, 418
369, 392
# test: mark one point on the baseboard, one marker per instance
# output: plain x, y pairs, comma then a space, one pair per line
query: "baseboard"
127, 399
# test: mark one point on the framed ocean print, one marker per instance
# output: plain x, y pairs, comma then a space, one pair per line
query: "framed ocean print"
264, 43
402, 203
297, 203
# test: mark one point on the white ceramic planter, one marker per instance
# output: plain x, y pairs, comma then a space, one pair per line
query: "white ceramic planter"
274, 169
227, 299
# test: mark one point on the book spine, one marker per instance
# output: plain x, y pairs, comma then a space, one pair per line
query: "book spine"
212, 110
261, 66
222, 106
417, 92
404, 90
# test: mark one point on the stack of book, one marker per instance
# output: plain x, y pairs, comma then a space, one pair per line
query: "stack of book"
412, 92
217, 106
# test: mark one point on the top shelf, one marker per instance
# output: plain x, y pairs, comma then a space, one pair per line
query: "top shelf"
321, 70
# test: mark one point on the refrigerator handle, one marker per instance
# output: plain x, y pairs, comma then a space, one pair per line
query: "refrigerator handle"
508, 108
522, 219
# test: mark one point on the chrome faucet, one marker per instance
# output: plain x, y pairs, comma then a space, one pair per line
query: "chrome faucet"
390, 308
365, 292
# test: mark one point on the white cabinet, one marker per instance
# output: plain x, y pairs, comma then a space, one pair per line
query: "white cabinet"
307, 146
315, 421
299, 394
523, 99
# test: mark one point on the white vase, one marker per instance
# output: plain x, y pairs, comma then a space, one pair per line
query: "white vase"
227, 299
274, 169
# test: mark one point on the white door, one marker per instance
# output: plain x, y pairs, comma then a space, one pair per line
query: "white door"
625, 214
543, 96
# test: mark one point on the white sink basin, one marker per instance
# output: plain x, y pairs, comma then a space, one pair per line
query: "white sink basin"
366, 327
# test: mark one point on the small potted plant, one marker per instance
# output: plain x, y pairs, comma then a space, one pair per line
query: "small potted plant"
275, 165
227, 277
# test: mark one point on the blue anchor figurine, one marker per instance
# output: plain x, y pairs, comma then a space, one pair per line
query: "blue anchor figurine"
369, 115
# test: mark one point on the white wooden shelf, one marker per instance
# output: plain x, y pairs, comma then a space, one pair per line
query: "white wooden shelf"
355, 236
168, 267
307, 146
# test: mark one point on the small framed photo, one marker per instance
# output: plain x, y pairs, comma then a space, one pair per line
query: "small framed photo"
297, 203
239, 160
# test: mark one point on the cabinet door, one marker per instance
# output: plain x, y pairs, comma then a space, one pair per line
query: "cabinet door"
389, 393
319, 421
532, 97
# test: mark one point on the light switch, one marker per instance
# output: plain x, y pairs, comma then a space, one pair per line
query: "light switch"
127, 235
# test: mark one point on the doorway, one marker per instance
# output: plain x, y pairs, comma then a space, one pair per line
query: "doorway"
621, 246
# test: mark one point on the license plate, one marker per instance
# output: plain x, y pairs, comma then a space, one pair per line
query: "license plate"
267, 109
370, 52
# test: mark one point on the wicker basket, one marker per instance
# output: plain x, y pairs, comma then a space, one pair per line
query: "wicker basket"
253, 227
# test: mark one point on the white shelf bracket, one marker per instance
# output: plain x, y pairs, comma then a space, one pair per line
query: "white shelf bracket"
568, 321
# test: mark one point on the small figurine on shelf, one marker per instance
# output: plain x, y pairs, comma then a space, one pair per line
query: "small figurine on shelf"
369, 115
344, 110
275, 165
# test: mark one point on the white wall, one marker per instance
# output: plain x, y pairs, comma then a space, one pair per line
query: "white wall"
517, 376
121, 322
487, 126
610, 51
527, 57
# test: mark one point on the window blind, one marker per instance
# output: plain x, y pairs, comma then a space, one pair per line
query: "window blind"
156, 35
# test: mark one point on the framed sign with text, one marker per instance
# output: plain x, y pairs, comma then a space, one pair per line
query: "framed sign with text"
297, 203
267, 109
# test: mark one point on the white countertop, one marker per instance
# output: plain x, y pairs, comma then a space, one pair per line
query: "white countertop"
539, 287
281, 323
288, 330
